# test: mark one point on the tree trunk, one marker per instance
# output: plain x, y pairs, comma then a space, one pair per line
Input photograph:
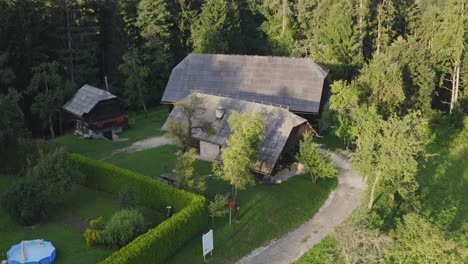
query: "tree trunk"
361, 29
142, 100
379, 27
70, 54
452, 99
51, 127
457, 83
374, 185
235, 193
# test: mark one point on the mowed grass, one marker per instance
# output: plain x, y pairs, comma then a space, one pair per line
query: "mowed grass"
66, 223
153, 162
266, 212
141, 127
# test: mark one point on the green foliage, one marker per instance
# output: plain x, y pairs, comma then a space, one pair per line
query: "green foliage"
136, 73
97, 223
122, 228
187, 178
127, 198
382, 81
418, 241
375, 154
317, 165
25, 203
279, 26
50, 91
55, 174
344, 101
181, 131
169, 236
336, 37
325, 252
407, 137
238, 156
218, 207
216, 28
11, 130
90, 236
11, 121
364, 159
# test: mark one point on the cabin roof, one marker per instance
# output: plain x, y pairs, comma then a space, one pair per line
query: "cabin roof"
296, 83
85, 99
279, 124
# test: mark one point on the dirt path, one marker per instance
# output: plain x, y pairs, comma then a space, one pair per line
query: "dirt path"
339, 205
148, 143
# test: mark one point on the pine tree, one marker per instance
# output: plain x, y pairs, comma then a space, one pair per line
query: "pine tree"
136, 74
280, 26
449, 44
216, 27
155, 22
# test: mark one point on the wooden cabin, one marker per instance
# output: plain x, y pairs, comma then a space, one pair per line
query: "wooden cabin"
98, 113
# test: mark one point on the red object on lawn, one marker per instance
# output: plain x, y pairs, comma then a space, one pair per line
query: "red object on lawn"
231, 204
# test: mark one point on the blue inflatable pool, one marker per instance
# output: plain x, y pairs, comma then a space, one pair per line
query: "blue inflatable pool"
32, 252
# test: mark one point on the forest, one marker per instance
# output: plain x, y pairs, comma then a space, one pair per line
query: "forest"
398, 68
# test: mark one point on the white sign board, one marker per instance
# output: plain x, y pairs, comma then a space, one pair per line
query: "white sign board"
207, 242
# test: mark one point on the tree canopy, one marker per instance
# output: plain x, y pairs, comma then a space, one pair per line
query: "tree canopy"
239, 155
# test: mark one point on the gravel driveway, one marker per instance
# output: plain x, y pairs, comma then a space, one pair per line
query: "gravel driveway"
342, 201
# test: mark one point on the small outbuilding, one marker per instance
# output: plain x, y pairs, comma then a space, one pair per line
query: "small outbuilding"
283, 131
98, 113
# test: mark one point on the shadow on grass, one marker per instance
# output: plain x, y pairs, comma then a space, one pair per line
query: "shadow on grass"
444, 176
330, 141
267, 212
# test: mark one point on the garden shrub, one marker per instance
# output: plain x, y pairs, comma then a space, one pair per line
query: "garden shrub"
25, 203
90, 236
161, 242
55, 174
97, 223
127, 198
122, 228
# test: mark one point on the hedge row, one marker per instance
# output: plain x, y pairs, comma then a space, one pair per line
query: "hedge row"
161, 242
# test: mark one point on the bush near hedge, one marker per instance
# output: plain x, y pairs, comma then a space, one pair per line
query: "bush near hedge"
161, 242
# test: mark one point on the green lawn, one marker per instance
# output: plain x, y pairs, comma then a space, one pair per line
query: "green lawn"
330, 140
141, 127
444, 176
66, 223
267, 212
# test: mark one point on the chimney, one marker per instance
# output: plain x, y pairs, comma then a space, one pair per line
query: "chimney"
219, 112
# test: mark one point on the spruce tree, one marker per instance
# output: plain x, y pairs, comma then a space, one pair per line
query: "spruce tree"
216, 27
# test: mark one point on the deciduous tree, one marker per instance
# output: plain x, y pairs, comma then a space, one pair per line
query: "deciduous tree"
187, 177
50, 89
239, 155
181, 131
318, 166
418, 241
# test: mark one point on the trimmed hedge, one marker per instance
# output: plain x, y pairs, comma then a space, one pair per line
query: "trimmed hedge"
161, 242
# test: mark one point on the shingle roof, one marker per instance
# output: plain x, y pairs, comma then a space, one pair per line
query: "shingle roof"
85, 99
293, 82
279, 123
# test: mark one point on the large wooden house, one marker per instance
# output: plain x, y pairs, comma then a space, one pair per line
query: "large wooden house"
288, 92
98, 113
300, 85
